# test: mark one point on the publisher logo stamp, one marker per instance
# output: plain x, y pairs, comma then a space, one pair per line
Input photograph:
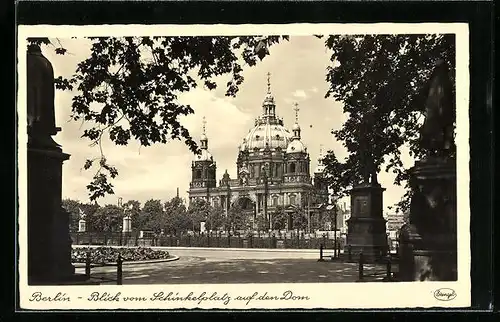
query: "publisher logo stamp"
445, 294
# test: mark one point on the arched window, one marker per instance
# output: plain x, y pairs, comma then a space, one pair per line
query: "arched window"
292, 167
292, 199
197, 174
275, 201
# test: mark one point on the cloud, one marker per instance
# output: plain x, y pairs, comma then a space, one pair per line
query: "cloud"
221, 115
299, 94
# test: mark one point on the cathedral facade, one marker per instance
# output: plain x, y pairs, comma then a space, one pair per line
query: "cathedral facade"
273, 170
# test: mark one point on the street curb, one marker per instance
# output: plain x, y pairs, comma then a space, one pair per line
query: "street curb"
262, 250
151, 261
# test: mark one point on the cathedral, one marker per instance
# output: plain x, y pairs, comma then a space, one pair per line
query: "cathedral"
273, 169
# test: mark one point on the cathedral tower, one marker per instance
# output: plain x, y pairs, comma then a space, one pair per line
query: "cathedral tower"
320, 182
204, 167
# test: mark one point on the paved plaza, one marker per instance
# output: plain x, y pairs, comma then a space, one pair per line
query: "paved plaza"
199, 266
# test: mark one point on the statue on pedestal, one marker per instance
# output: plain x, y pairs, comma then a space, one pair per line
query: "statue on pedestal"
428, 241
49, 241
367, 226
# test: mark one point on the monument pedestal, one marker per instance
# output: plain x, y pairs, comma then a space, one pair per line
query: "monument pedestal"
428, 243
49, 241
367, 227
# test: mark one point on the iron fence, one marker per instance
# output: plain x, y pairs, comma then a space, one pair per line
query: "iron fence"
289, 240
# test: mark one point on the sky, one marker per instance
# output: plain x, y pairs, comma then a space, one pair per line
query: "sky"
298, 72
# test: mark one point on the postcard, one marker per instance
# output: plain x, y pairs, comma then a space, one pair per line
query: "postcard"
296, 166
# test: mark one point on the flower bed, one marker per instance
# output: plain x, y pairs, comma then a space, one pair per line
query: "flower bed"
108, 254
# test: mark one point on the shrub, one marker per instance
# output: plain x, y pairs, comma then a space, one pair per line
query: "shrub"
110, 254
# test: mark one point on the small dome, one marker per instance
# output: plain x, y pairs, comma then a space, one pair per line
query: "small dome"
269, 99
204, 156
296, 146
203, 137
296, 127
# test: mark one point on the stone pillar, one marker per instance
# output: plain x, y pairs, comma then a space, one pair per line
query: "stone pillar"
428, 243
82, 225
367, 226
48, 229
126, 225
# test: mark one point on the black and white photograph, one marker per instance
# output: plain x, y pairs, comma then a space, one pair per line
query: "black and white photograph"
244, 166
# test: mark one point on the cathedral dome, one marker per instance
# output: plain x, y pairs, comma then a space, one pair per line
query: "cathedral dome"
296, 146
269, 131
295, 127
272, 133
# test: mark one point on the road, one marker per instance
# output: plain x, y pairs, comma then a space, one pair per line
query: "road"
198, 266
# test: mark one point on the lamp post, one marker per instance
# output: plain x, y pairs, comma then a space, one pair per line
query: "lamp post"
309, 211
335, 255
264, 173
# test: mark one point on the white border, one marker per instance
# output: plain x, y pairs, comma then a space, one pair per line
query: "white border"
326, 295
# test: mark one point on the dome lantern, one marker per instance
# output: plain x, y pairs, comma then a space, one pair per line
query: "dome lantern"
204, 139
268, 106
204, 155
296, 126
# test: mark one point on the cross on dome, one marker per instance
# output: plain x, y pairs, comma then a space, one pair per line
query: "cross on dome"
204, 138
268, 83
296, 109
204, 122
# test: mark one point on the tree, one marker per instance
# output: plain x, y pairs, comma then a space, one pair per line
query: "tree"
108, 218
380, 80
91, 216
279, 218
198, 211
73, 208
237, 219
175, 219
262, 223
152, 215
128, 88
216, 219
133, 209
299, 219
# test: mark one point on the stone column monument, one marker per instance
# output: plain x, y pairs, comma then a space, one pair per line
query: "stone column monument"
428, 243
366, 228
49, 242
